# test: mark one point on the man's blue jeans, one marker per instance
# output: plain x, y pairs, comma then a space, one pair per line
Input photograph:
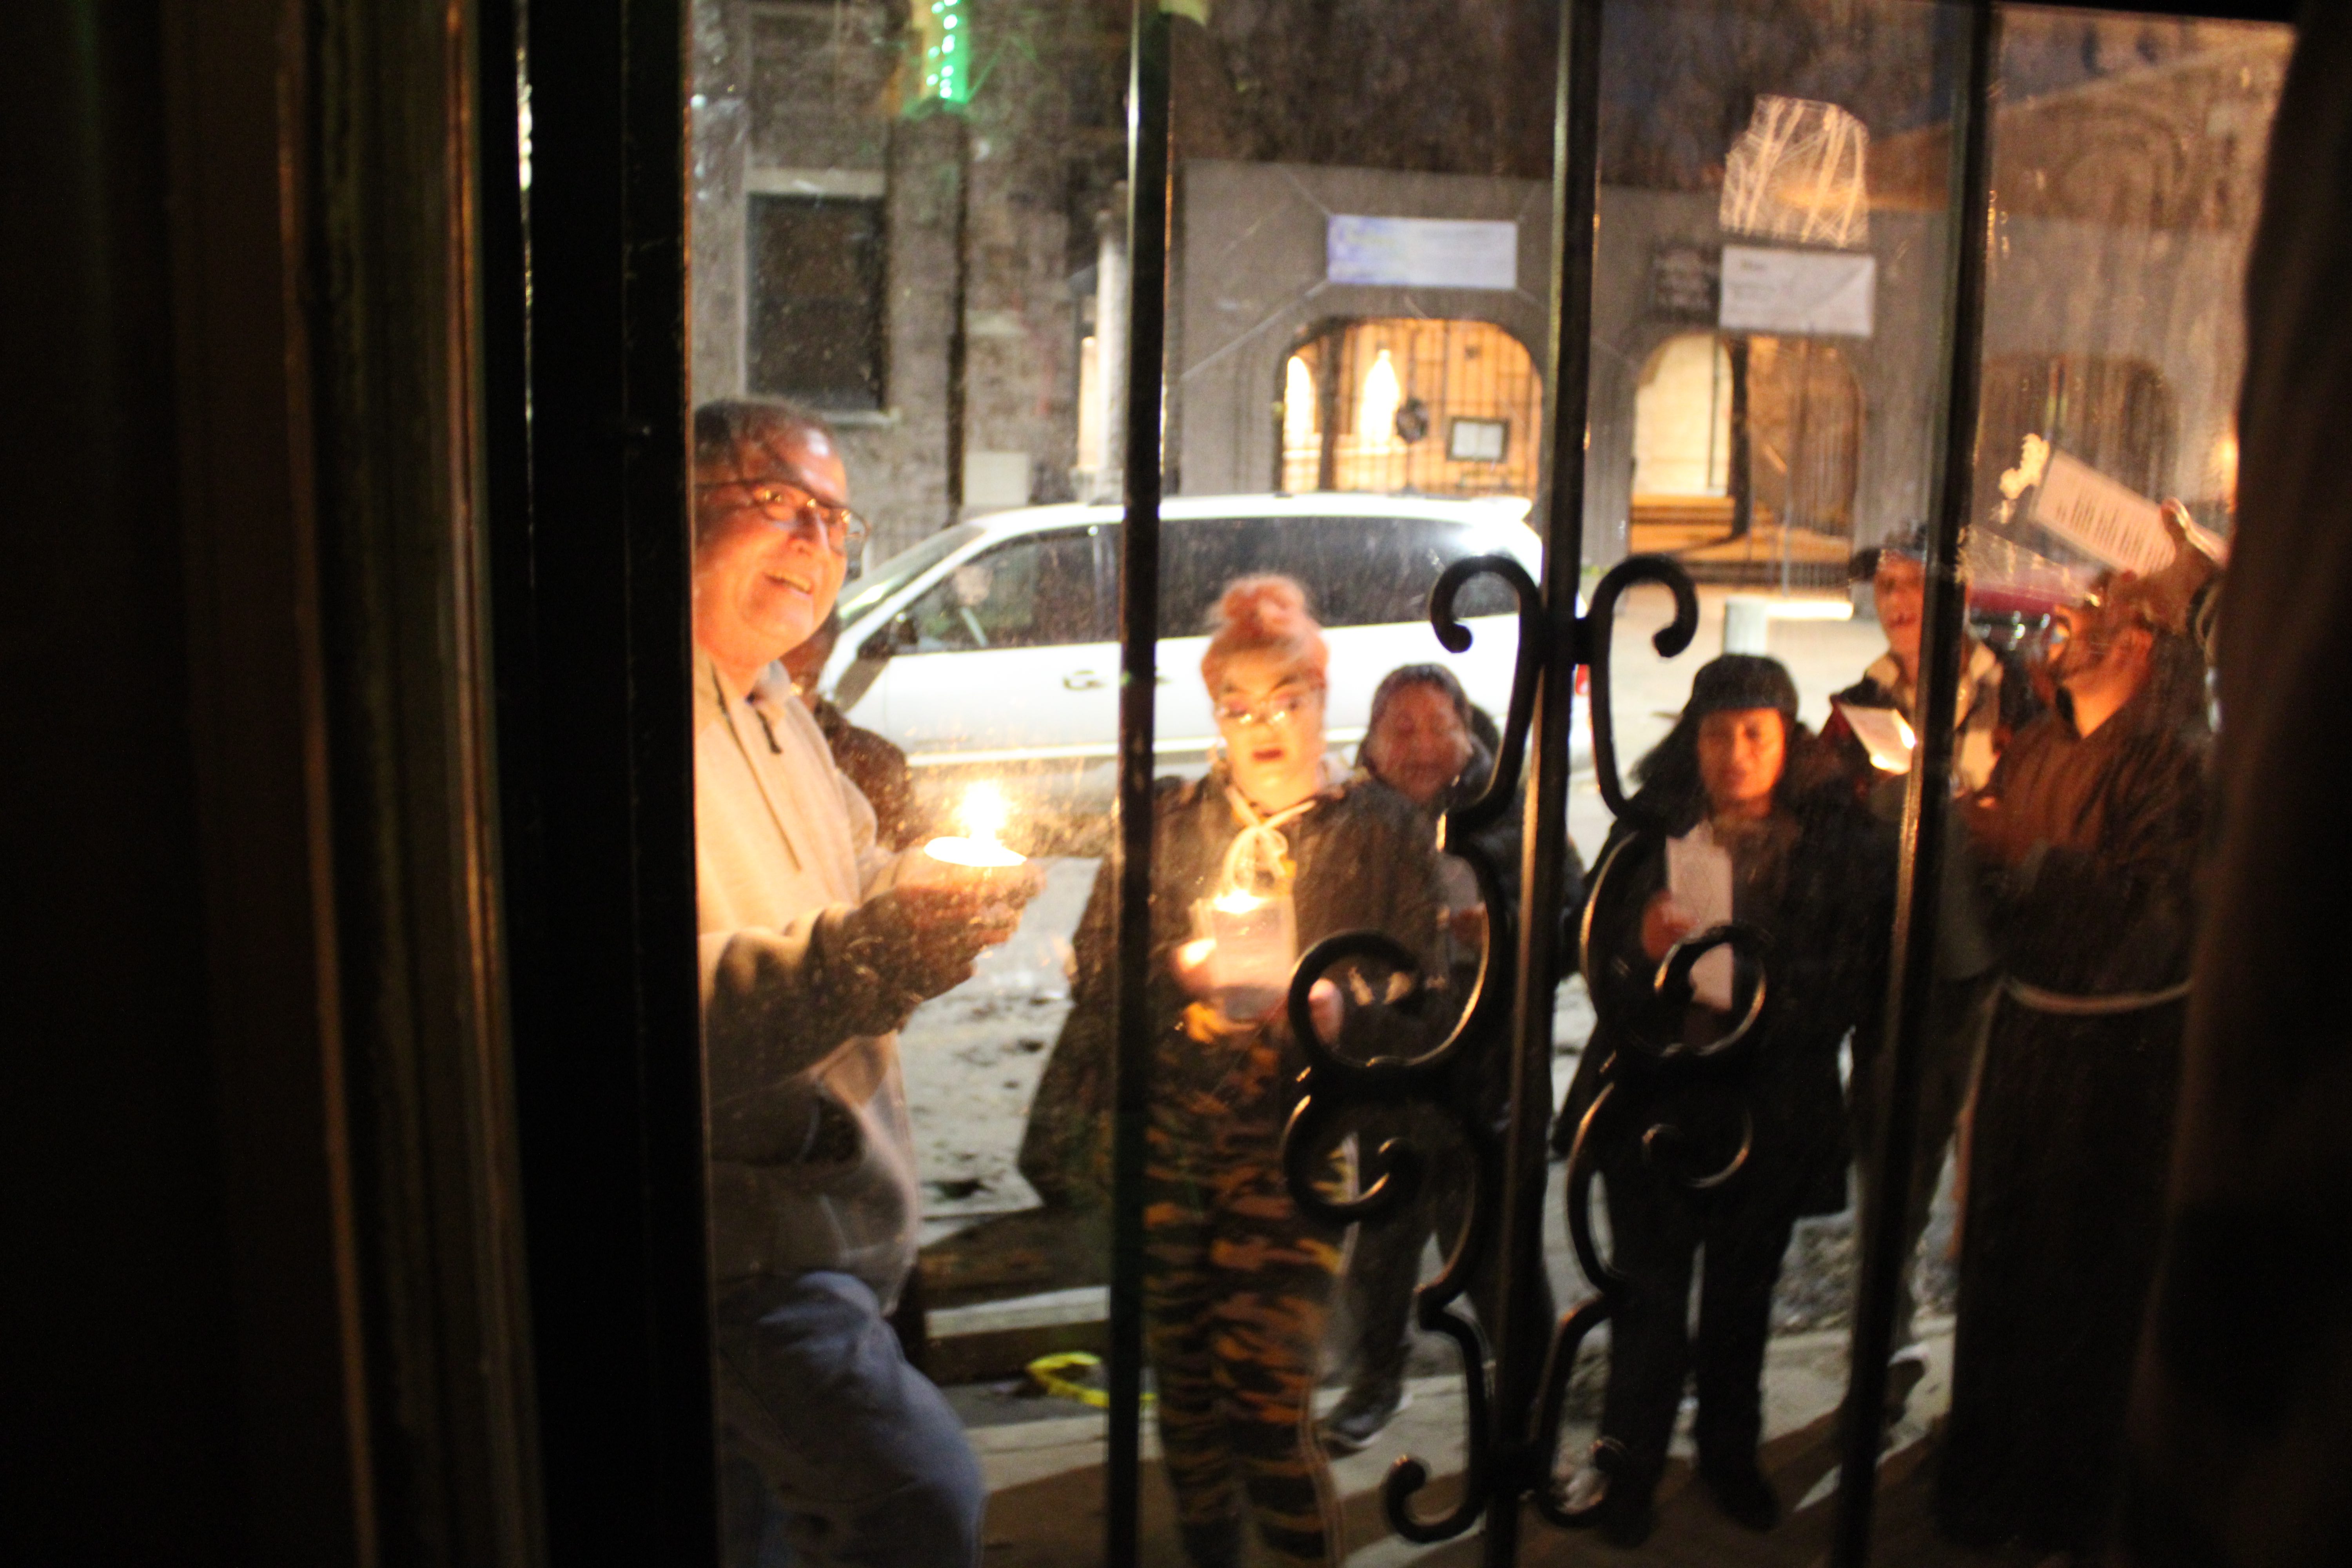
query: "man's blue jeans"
864, 1462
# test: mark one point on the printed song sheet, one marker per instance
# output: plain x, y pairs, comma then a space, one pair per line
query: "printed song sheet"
1882, 733
1699, 875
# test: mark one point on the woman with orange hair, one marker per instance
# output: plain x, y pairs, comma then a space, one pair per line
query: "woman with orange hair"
1274, 849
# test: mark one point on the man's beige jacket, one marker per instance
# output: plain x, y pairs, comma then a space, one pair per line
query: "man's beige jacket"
812, 1155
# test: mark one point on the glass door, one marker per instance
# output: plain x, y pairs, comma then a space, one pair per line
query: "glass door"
1096, 419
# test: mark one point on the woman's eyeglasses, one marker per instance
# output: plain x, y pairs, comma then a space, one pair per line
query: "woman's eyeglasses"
1278, 708
780, 502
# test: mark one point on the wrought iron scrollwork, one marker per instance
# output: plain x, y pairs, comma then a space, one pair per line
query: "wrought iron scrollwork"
1501, 1467
1334, 1085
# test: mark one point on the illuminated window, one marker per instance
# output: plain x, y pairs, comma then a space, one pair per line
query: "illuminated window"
1430, 407
1377, 405
1681, 421
1747, 453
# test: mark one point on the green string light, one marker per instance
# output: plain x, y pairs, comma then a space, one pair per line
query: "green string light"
941, 54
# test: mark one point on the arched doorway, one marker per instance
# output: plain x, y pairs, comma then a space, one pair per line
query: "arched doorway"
1745, 452
1437, 407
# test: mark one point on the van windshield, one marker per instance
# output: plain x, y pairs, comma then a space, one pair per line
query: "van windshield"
902, 568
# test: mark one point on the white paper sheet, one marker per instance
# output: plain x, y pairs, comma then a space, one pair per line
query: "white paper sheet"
1811, 292
2102, 517
1699, 875
1882, 733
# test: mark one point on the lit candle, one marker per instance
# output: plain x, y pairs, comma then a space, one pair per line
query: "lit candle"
983, 814
1254, 944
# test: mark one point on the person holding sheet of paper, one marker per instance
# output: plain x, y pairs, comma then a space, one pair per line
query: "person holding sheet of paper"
1870, 731
1874, 721
1741, 816
2088, 837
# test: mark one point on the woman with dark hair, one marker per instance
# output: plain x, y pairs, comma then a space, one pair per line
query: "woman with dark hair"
1422, 740
1272, 851
1724, 1156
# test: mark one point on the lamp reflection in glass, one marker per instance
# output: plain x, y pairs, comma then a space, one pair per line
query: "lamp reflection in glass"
982, 816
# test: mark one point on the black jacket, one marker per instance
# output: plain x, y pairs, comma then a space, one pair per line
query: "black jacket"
1365, 858
1503, 839
1825, 911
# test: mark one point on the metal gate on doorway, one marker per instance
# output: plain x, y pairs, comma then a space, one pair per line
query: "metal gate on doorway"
1404, 405
1746, 454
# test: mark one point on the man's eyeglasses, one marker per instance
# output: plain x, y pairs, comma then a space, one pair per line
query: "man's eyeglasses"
1278, 708
780, 501
2048, 640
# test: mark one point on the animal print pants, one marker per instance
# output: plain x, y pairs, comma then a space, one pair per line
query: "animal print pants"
1237, 1286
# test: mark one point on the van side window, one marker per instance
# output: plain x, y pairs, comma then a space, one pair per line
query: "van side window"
1197, 558
1357, 571
1378, 571
1031, 593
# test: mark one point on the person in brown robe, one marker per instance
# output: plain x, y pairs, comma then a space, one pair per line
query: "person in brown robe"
2088, 832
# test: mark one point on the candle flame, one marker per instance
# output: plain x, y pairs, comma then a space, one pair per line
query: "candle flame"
1236, 902
1910, 737
984, 812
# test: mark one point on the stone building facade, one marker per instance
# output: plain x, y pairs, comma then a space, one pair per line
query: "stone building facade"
2128, 160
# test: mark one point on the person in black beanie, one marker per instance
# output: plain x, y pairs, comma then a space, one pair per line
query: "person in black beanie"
1724, 1155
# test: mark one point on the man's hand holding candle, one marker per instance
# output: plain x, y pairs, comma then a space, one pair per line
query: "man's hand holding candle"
970, 888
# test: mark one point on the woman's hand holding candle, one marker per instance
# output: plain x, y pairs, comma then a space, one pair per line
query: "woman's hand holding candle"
1192, 964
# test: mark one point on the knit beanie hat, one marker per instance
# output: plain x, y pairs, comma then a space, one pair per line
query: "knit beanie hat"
1738, 681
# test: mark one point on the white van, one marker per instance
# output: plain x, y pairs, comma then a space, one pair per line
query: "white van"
992, 649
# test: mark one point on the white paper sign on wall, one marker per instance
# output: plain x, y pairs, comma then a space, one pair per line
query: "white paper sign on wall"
2108, 521
1422, 252
1809, 292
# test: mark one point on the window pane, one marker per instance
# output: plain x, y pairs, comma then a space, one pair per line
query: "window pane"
1440, 407
2113, 350
1040, 593
895, 228
911, 219
816, 300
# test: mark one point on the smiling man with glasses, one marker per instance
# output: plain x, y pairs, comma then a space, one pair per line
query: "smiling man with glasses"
816, 942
